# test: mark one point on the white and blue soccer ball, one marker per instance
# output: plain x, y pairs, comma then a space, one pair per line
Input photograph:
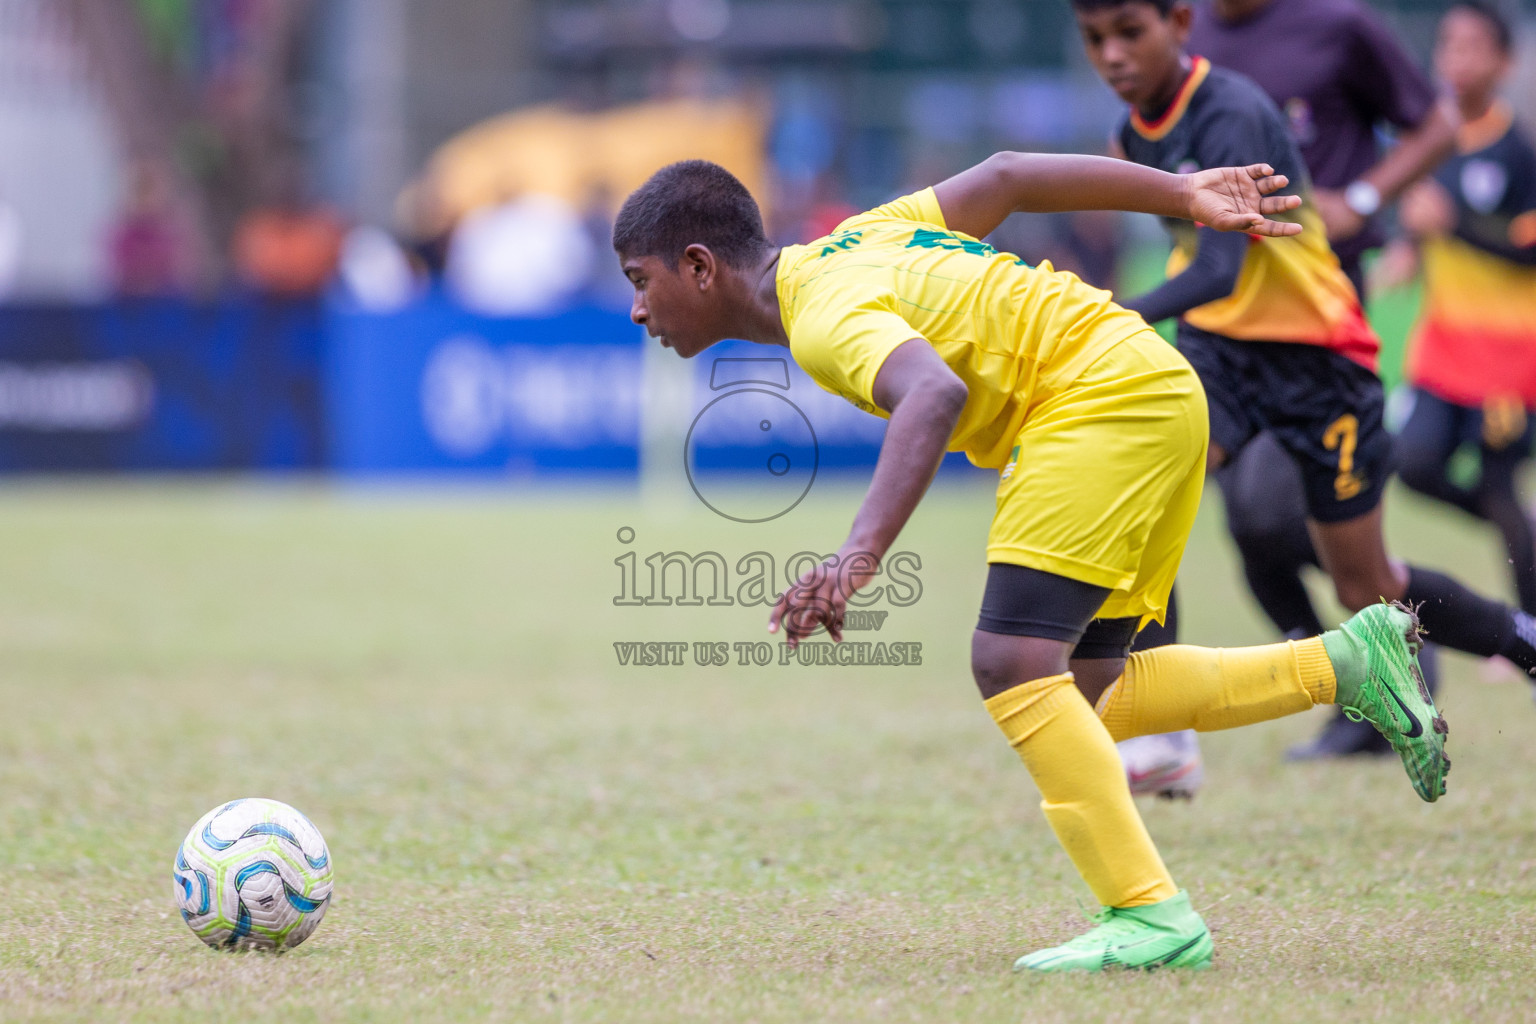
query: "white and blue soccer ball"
253, 873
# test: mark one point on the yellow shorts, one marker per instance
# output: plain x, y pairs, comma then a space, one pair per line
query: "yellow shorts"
1104, 480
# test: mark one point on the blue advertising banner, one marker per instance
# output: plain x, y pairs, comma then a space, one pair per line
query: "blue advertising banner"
166, 385
436, 388
161, 385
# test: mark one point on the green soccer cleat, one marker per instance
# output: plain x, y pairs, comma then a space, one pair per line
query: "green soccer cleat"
1165, 934
1393, 696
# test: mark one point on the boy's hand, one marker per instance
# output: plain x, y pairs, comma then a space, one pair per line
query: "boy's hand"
1238, 199
1427, 210
1339, 221
820, 597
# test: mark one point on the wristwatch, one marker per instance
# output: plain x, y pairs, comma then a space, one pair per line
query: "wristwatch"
1363, 198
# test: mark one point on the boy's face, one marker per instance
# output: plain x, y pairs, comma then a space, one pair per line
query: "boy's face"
673, 304
1135, 48
1467, 55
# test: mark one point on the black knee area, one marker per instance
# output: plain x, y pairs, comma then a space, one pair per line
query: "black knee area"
1421, 468
1024, 602
1264, 495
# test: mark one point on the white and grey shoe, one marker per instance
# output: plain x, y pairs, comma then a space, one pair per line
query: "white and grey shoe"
1166, 765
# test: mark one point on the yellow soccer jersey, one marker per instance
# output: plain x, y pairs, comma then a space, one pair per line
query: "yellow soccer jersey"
1015, 334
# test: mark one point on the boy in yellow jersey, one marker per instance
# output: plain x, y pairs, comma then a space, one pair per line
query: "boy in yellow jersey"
1098, 430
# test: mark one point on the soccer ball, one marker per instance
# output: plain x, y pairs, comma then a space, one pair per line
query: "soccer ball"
253, 874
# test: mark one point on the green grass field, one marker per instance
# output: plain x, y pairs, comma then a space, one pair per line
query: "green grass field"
524, 830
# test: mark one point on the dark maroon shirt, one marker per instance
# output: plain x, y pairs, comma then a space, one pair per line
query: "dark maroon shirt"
1336, 71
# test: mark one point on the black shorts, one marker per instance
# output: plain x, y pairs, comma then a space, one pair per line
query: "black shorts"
1323, 408
1020, 601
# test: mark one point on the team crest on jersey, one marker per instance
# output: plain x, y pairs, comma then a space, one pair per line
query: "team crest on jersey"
1484, 183
1298, 112
1013, 462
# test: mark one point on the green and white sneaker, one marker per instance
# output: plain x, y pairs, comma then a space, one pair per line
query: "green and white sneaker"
1393, 696
1165, 934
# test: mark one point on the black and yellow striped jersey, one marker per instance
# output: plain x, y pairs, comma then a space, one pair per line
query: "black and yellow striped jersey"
1290, 289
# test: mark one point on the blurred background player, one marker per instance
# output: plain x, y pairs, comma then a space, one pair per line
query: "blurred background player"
1273, 326
1337, 72
1472, 364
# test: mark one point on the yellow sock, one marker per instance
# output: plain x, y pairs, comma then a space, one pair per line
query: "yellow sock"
1171, 688
1084, 793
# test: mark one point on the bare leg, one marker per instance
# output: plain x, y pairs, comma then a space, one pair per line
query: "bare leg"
1355, 555
999, 663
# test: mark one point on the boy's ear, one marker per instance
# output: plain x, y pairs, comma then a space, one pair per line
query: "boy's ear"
698, 265
1182, 17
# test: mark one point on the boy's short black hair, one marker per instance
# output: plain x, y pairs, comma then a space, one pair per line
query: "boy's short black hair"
1497, 18
687, 203
1163, 6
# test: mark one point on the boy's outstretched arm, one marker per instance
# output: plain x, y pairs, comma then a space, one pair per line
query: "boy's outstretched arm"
976, 201
925, 399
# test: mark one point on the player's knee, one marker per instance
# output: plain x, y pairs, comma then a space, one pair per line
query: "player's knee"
1266, 514
1256, 538
994, 673
999, 663
1269, 544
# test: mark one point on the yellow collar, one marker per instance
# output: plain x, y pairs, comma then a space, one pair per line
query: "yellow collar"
1159, 129
1486, 130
